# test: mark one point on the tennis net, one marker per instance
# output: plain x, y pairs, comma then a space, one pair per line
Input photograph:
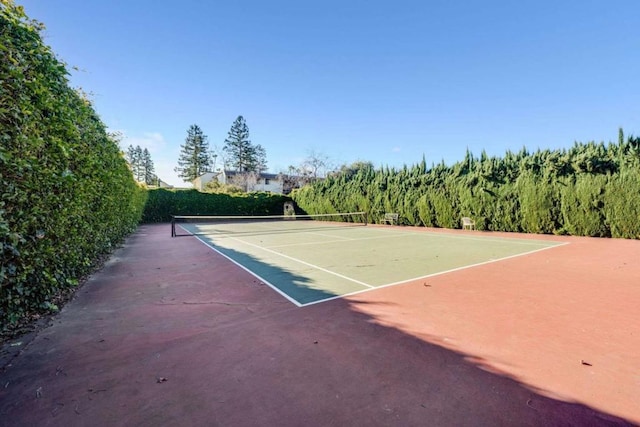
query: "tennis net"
187, 225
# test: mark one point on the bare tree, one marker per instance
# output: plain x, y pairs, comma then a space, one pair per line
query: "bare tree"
315, 164
245, 180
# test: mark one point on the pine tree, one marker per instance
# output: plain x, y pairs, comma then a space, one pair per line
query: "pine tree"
148, 170
130, 156
138, 165
141, 164
135, 159
242, 155
259, 163
194, 158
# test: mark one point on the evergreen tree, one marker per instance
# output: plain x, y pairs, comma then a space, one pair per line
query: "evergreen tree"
259, 161
148, 170
138, 171
135, 158
241, 154
130, 156
194, 158
141, 164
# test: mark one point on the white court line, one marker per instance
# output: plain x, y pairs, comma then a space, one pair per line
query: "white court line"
436, 274
304, 262
496, 239
370, 287
547, 244
314, 233
396, 233
327, 235
313, 243
338, 241
516, 240
296, 230
317, 267
257, 276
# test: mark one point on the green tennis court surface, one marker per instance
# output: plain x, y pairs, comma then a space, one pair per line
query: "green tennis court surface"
313, 261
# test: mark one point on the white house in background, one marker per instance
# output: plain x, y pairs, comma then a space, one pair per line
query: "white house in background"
162, 184
158, 183
203, 179
258, 182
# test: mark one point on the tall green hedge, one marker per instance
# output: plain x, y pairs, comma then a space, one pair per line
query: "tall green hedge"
622, 204
67, 195
590, 189
582, 201
163, 203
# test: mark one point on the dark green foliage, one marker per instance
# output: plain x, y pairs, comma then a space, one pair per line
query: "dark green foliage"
622, 204
242, 155
148, 170
141, 165
506, 210
445, 209
591, 189
161, 204
582, 206
194, 157
538, 203
67, 196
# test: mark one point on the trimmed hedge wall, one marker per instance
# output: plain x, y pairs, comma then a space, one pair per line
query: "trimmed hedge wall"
591, 189
162, 203
67, 196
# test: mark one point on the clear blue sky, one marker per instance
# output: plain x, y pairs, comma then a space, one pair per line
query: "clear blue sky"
381, 81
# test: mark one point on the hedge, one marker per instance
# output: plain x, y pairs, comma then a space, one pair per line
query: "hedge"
591, 189
67, 194
162, 203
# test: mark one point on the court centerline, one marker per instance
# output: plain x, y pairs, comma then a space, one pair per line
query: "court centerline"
302, 231
317, 267
335, 241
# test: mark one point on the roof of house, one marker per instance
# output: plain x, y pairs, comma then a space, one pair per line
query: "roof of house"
262, 174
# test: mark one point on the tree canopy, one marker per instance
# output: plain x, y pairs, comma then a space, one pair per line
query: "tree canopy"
241, 154
141, 164
194, 157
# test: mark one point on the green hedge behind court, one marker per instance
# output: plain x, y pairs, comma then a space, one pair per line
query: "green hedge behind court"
590, 189
67, 196
163, 203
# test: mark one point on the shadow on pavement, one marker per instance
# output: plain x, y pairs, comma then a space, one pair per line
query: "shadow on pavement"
171, 333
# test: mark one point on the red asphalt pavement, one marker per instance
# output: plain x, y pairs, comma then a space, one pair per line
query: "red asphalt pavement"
169, 333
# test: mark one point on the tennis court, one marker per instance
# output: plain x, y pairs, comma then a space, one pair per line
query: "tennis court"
312, 259
170, 332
